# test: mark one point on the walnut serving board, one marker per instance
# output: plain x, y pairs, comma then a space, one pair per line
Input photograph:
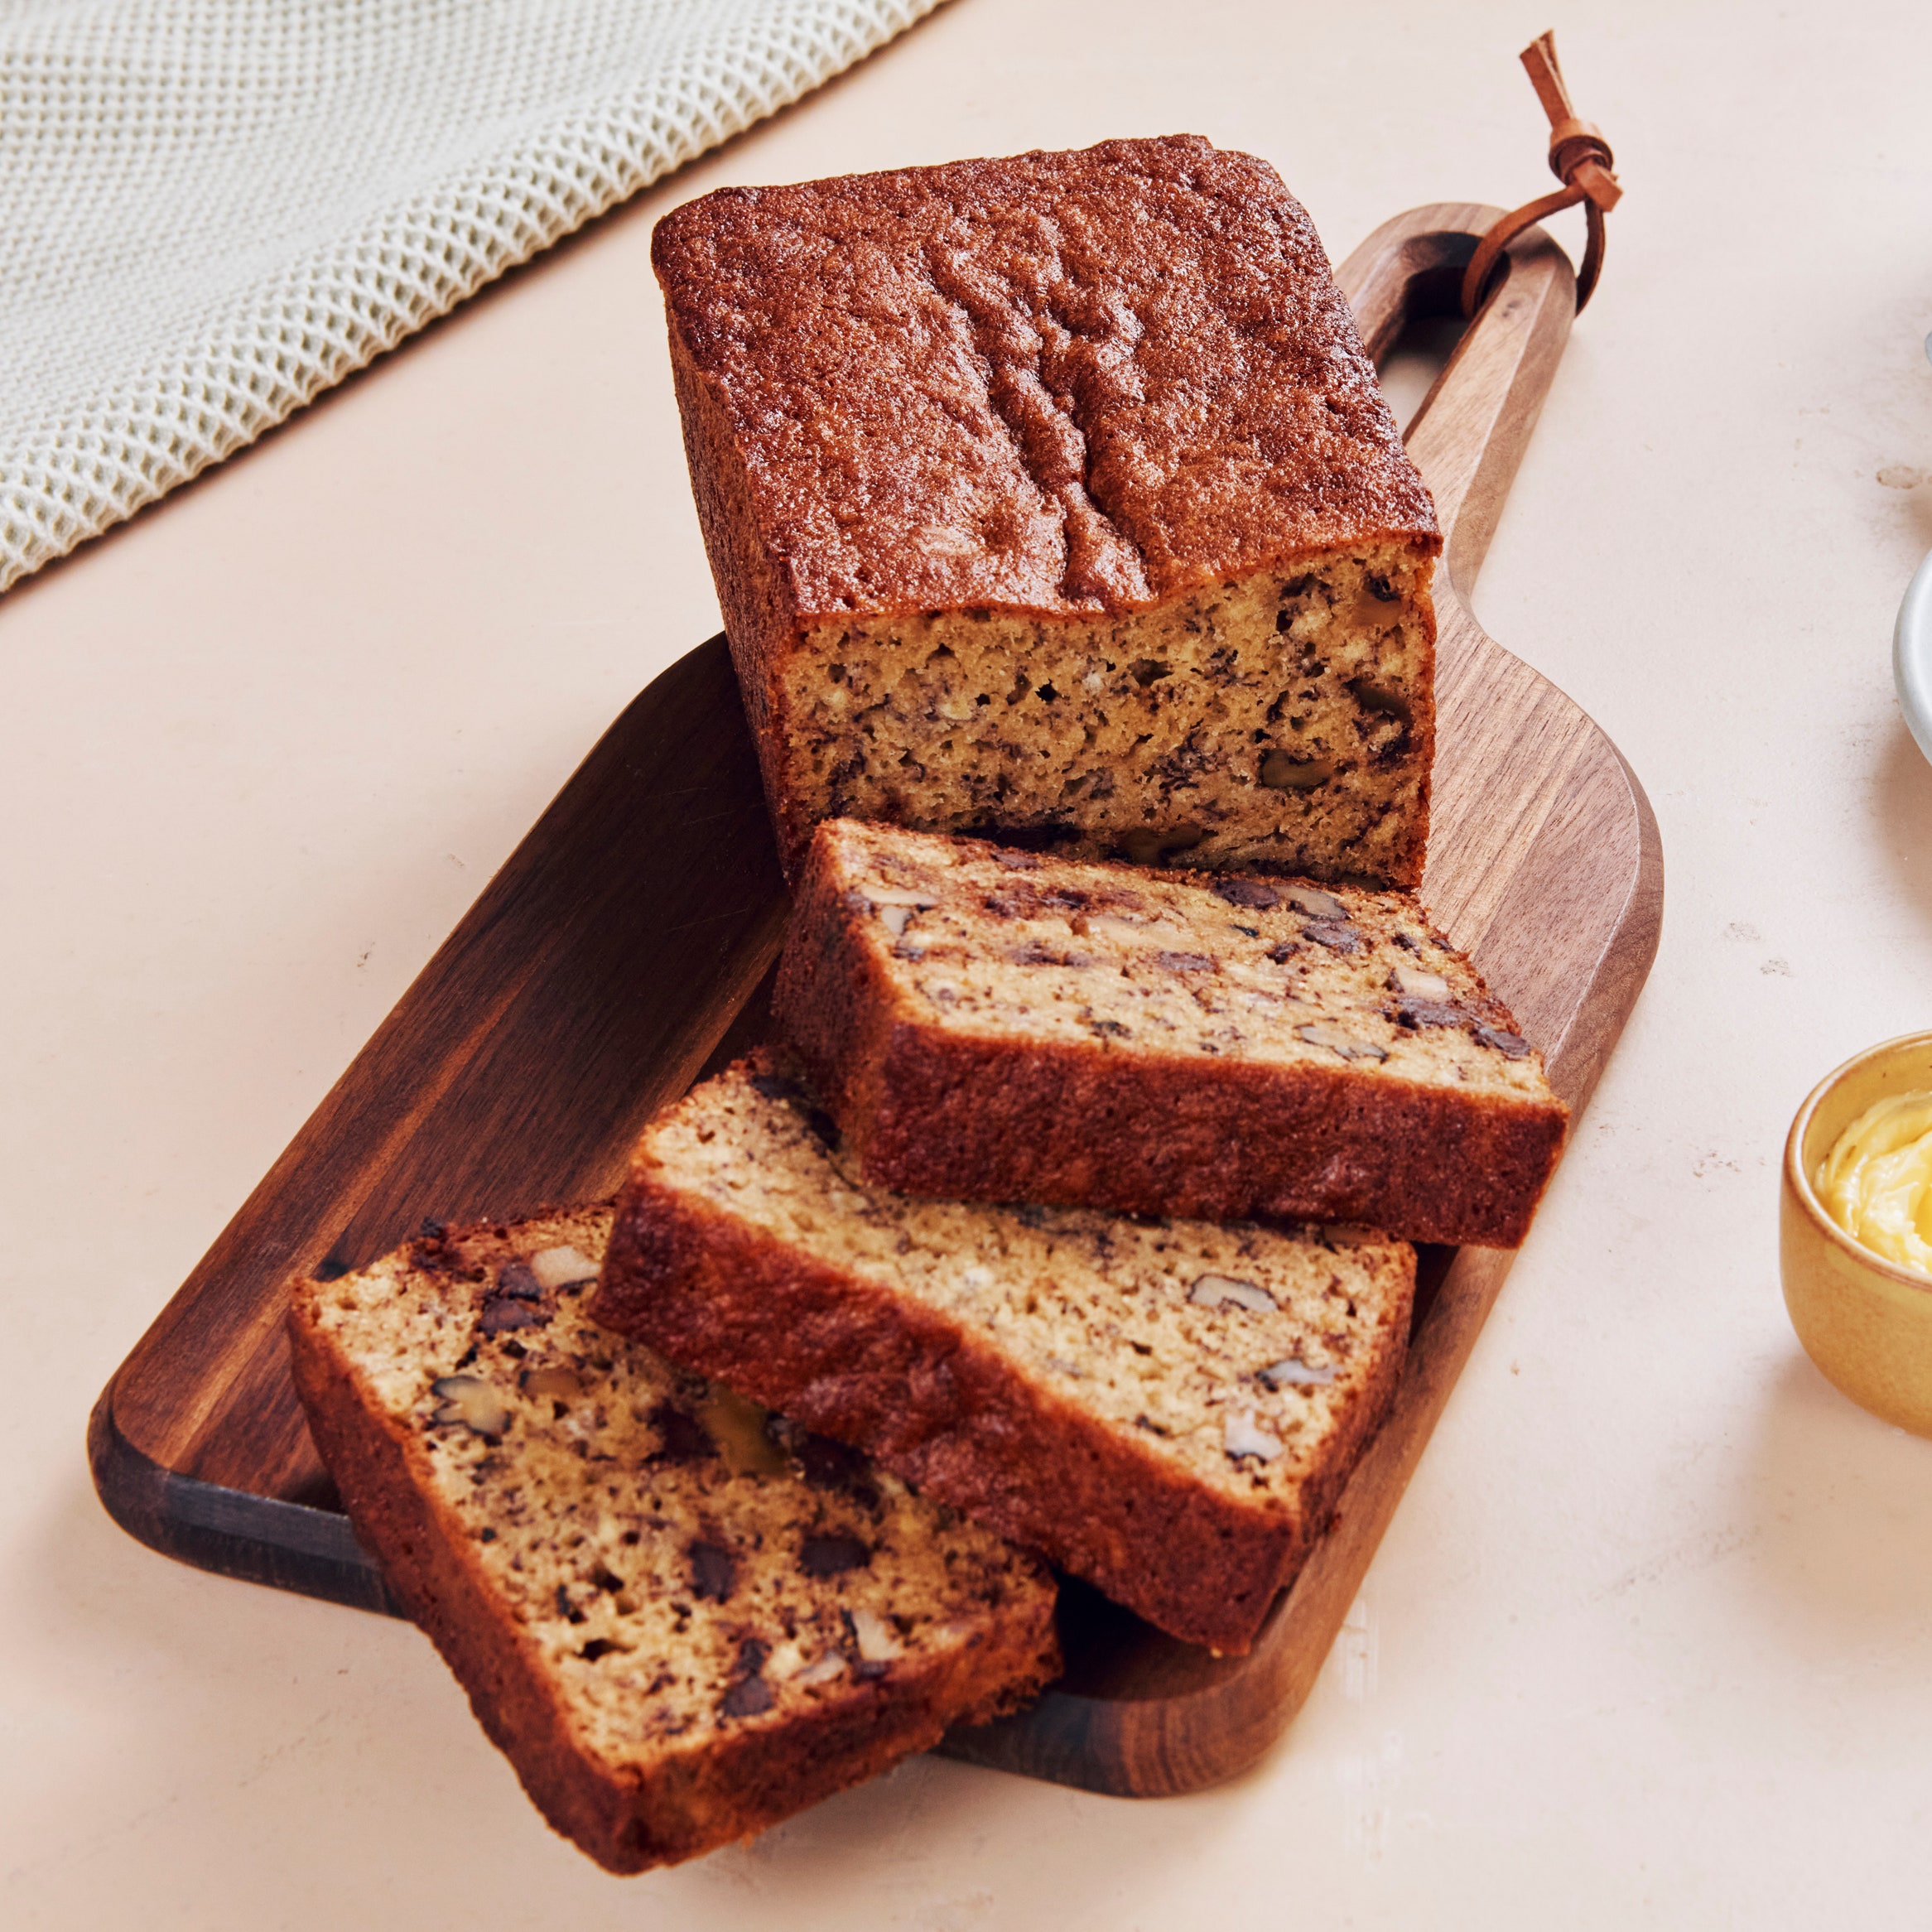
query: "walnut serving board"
625, 947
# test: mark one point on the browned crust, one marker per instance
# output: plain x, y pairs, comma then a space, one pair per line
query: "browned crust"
979, 1120
832, 998
932, 1111
758, 628
689, 1802
927, 1398
1007, 342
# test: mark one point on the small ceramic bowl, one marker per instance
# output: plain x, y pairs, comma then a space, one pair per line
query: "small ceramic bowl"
1865, 1321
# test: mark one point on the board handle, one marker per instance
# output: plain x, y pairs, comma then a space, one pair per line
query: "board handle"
1469, 437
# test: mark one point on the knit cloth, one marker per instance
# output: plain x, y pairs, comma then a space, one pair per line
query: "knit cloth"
210, 210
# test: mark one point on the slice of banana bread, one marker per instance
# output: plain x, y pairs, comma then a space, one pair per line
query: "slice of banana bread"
1055, 496
681, 1620
1168, 1410
992, 1025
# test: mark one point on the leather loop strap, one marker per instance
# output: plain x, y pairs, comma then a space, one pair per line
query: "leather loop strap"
1580, 158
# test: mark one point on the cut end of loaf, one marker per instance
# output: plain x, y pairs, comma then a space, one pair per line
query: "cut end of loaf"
1281, 722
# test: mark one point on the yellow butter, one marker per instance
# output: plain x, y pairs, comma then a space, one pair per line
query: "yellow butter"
1876, 1182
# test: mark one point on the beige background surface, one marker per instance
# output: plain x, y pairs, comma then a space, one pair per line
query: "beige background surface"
1650, 1642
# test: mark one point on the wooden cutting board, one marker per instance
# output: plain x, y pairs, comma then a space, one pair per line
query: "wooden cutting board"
625, 946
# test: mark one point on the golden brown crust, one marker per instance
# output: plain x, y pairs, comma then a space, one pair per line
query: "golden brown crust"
1103, 378
748, 595
683, 1804
934, 1401
976, 1121
933, 1109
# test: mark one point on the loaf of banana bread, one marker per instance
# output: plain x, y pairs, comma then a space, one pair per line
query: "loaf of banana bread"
1055, 498
680, 1619
1166, 1408
993, 1025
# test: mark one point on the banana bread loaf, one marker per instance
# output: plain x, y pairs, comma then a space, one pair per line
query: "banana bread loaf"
1168, 1410
680, 1620
1054, 497
993, 1025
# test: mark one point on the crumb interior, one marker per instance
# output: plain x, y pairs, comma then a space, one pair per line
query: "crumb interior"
681, 1562
1232, 1352
1281, 721
1289, 973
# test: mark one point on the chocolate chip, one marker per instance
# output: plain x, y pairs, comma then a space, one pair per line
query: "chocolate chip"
832, 1556
517, 1280
1409, 942
682, 1438
1419, 1013
511, 1303
598, 1647
1510, 1046
1107, 1026
750, 1694
826, 1464
504, 1312
1146, 670
747, 1698
1381, 589
713, 1573
773, 1087
1334, 934
1251, 893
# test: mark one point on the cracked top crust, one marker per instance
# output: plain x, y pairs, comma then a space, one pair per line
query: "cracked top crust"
1061, 383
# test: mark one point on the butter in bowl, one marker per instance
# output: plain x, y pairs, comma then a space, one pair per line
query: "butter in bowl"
1856, 1230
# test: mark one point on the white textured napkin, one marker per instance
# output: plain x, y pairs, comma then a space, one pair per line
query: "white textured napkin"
212, 210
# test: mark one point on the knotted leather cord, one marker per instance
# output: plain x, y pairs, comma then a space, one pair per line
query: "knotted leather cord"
1579, 157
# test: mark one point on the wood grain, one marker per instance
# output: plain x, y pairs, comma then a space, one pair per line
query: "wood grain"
626, 945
